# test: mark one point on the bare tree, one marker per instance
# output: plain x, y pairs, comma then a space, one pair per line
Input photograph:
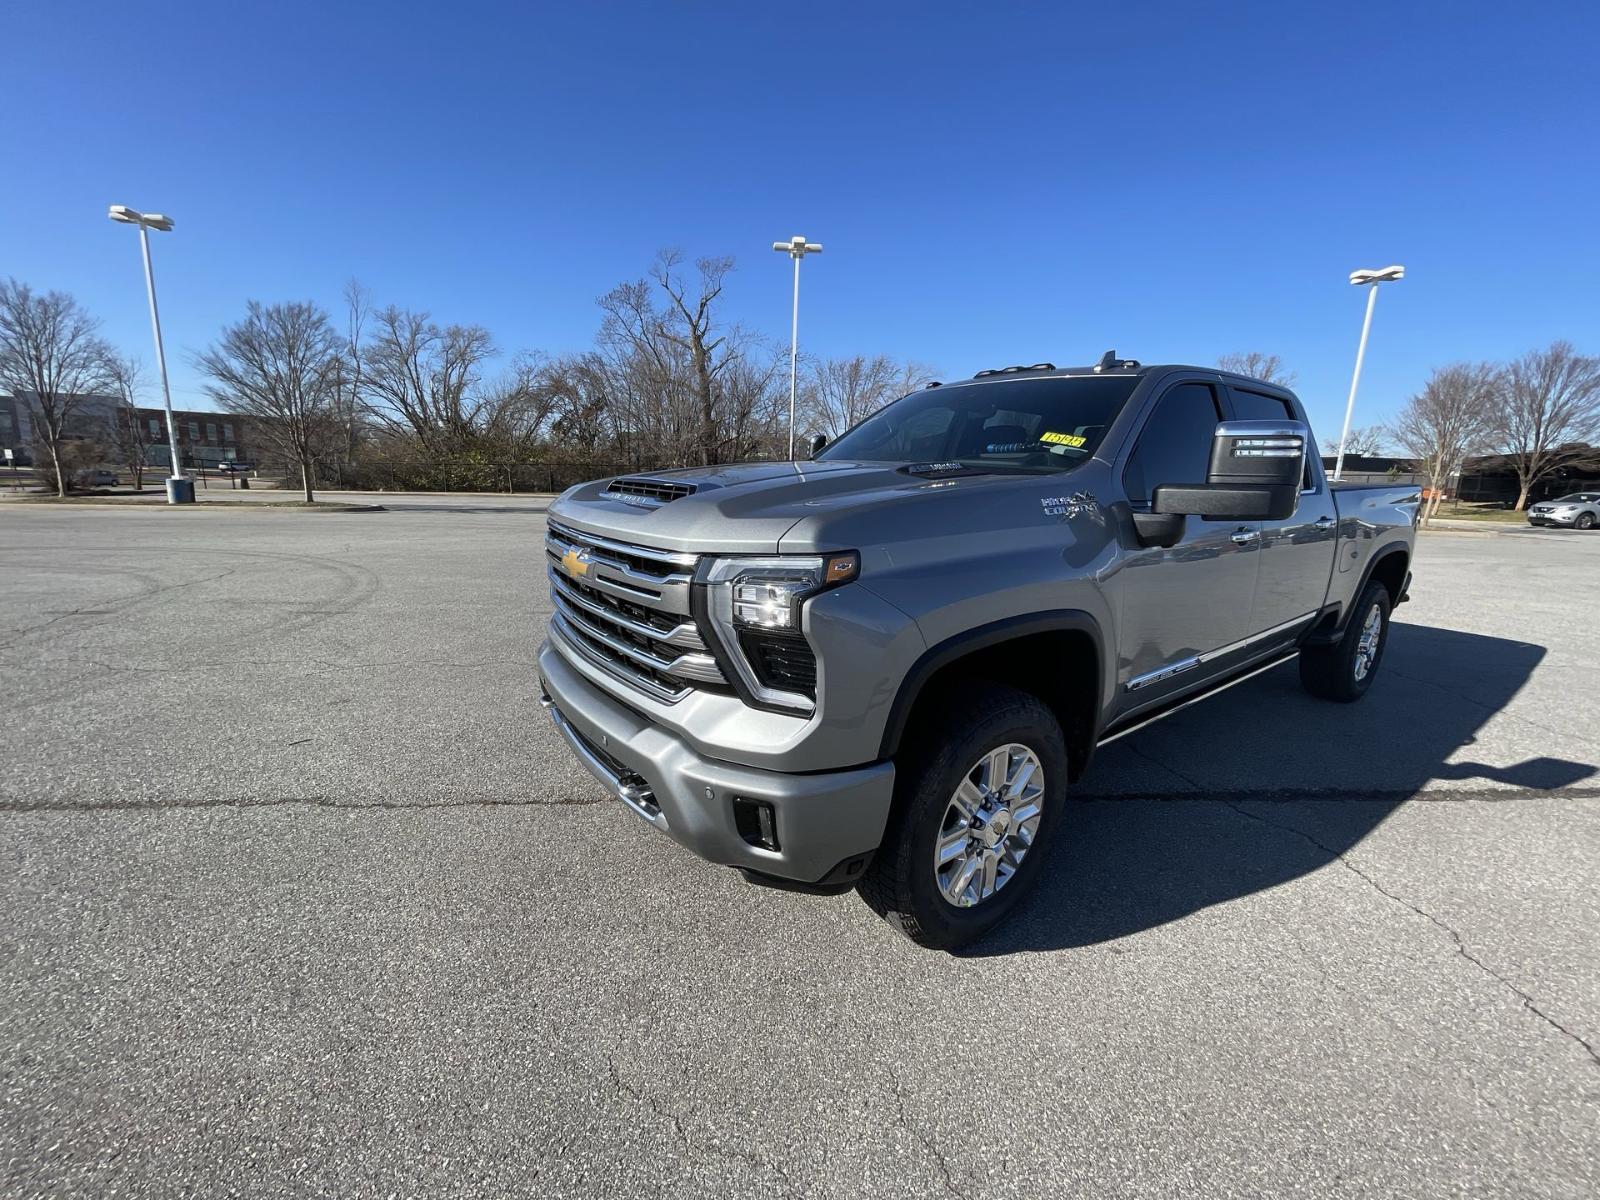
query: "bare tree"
421, 379
1268, 368
279, 369
582, 402
1446, 421
843, 391
756, 404
348, 412
1364, 440
691, 326
51, 357
125, 430
1549, 402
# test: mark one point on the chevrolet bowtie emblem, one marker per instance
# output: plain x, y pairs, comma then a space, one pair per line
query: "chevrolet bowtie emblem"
575, 562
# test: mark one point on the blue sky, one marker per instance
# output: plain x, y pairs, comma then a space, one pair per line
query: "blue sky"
994, 183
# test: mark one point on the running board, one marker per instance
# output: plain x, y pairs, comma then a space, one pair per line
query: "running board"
1198, 697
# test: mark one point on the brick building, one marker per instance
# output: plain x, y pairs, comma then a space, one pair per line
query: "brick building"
205, 439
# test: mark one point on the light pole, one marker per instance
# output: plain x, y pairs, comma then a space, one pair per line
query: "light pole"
796, 248
179, 489
1362, 279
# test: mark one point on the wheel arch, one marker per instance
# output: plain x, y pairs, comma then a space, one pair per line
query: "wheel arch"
1391, 566
1058, 656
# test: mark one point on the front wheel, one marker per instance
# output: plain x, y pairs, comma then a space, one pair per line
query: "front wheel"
1345, 670
979, 791
1585, 521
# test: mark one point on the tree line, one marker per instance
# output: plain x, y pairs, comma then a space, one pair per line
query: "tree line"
385, 395
390, 396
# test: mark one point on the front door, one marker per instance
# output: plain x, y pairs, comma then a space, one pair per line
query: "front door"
1178, 607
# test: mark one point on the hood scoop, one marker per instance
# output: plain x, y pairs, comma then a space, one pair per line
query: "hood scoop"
644, 492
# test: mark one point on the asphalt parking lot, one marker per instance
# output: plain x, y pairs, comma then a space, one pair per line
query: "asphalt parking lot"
303, 896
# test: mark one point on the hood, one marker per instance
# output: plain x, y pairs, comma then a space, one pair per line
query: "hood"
743, 508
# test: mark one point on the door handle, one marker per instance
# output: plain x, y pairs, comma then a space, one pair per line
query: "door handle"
1243, 537
1325, 522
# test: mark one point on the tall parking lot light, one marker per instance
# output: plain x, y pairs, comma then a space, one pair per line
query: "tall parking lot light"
796, 248
1362, 279
179, 489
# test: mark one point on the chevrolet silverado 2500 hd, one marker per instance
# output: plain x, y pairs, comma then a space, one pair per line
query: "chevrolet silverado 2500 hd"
884, 667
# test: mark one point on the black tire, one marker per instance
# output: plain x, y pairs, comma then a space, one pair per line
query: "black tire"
900, 885
1584, 521
1332, 672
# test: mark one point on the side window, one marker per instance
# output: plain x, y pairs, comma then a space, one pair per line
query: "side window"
1175, 444
1253, 406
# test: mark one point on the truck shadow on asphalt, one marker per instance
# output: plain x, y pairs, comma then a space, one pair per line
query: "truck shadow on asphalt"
1264, 784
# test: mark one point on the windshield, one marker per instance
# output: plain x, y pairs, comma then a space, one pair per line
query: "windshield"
1021, 426
1577, 498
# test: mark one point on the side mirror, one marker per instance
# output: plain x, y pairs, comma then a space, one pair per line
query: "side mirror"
817, 443
1255, 475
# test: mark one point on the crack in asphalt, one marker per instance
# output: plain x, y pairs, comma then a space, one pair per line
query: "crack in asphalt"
18, 804
1528, 1002
928, 1143
15, 805
676, 1122
1483, 705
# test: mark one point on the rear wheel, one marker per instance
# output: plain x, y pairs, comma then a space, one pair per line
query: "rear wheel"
979, 790
1345, 670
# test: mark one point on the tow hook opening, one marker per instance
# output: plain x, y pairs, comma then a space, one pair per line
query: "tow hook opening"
633, 791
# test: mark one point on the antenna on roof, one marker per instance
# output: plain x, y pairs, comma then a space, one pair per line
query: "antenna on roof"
1110, 362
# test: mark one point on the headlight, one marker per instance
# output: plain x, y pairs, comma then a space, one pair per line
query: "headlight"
751, 600
768, 593
768, 601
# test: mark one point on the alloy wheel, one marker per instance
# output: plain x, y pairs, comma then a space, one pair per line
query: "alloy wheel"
1367, 646
989, 825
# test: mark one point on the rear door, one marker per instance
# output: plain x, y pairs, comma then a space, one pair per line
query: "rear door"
1179, 606
1296, 559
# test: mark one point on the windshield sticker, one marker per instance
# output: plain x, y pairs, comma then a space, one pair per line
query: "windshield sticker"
1064, 439
1009, 447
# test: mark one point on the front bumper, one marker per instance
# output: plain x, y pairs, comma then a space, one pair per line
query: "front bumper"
828, 824
1551, 519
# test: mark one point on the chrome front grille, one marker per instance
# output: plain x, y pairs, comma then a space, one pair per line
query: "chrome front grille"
625, 608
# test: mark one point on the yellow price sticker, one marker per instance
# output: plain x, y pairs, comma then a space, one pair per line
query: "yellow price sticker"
1063, 439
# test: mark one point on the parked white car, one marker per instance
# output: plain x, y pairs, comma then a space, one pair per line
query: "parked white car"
1581, 510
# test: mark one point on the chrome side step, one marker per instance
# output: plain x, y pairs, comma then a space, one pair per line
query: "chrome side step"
1152, 718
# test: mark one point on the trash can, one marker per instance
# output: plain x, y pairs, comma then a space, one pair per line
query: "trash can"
244, 482
180, 491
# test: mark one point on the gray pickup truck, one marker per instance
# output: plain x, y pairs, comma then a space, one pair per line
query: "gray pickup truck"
884, 668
